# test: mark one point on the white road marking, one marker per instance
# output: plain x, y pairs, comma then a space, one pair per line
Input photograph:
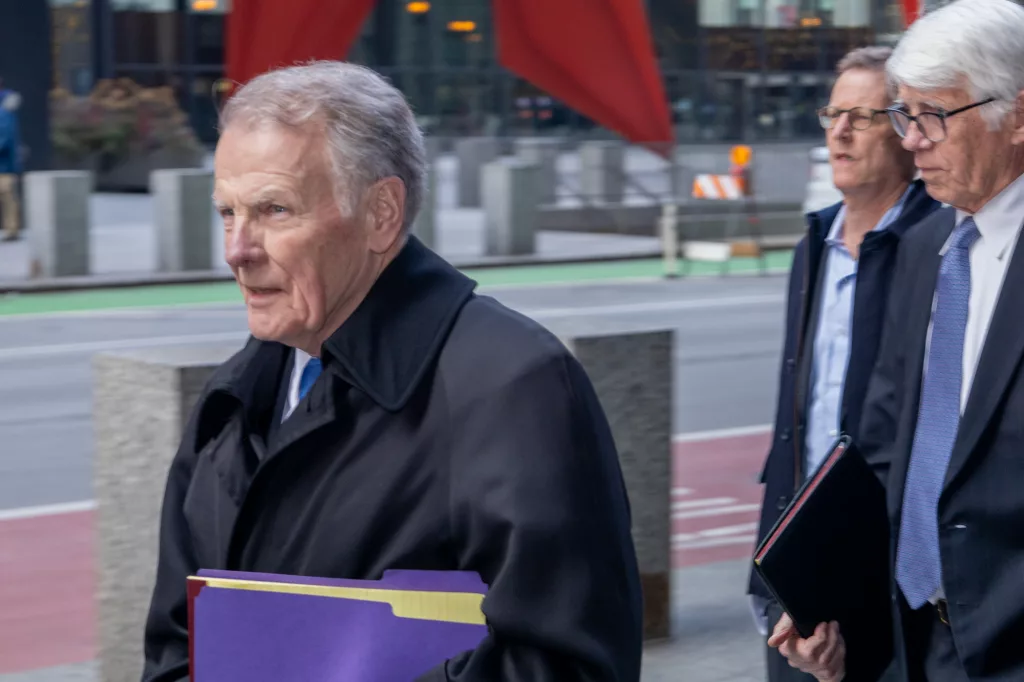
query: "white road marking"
705, 502
717, 434
489, 290
717, 542
716, 511
681, 492
89, 347
47, 510
715, 532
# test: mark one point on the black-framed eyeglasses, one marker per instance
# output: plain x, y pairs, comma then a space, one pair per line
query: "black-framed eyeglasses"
932, 124
860, 118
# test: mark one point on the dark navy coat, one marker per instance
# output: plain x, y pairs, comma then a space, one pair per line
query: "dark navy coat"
783, 471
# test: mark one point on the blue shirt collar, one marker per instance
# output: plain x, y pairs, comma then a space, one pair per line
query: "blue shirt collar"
835, 233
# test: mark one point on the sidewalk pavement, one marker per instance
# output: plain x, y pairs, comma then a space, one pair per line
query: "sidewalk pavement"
714, 638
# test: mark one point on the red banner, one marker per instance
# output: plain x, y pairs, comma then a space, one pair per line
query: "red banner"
268, 34
911, 10
594, 55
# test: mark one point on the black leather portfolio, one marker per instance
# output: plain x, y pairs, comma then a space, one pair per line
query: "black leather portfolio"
827, 559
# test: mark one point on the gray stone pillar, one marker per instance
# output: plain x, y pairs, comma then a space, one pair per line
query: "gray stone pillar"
425, 225
183, 216
473, 153
510, 194
544, 153
141, 403
57, 222
632, 375
602, 168
432, 146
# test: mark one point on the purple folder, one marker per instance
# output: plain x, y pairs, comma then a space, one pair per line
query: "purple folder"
251, 635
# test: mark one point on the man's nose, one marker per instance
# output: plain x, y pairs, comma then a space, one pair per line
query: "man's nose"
914, 140
240, 244
841, 126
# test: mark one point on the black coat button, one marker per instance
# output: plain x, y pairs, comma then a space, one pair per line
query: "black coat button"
790, 364
785, 435
782, 503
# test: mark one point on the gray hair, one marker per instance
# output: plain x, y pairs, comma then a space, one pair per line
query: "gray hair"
369, 127
872, 58
980, 41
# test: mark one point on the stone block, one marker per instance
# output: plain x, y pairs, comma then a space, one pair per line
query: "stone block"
141, 403
425, 225
57, 222
183, 217
510, 198
602, 171
544, 153
473, 153
632, 375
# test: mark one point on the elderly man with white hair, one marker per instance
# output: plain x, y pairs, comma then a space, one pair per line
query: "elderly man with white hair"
383, 415
944, 422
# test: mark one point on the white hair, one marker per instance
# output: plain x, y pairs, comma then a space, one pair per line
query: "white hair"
369, 127
980, 41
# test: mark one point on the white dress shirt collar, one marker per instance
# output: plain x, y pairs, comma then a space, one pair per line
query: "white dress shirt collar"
301, 360
1000, 219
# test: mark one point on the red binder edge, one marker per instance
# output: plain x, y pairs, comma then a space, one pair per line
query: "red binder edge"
194, 587
799, 502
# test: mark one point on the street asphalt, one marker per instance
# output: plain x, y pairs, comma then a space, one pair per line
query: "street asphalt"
728, 339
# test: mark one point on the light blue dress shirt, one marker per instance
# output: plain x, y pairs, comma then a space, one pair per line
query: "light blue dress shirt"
832, 339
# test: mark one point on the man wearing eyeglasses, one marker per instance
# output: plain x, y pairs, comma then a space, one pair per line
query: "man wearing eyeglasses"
944, 418
838, 288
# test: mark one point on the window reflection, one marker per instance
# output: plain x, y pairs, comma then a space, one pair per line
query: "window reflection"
71, 30
146, 32
732, 69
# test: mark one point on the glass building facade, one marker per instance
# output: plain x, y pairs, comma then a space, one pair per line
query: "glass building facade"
751, 70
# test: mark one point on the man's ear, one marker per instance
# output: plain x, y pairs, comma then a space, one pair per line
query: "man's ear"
1017, 137
385, 214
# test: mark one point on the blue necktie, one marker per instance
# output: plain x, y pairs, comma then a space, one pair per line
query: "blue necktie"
309, 376
918, 565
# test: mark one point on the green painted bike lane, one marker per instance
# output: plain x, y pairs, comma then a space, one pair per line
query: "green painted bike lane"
164, 295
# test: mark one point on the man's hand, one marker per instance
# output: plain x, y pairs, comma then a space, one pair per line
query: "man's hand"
822, 655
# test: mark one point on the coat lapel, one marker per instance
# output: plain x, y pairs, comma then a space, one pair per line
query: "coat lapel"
1000, 356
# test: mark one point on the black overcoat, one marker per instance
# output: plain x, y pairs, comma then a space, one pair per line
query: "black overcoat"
446, 432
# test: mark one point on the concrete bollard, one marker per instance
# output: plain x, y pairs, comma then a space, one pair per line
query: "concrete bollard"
425, 225
510, 191
632, 375
544, 153
141, 403
57, 222
432, 146
602, 171
473, 153
183, 216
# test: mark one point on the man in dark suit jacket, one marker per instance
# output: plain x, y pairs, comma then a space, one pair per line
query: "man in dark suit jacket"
944, 419
838, 287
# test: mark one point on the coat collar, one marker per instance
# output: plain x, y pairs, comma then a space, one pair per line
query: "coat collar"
385, 348
917, 206
389, 343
